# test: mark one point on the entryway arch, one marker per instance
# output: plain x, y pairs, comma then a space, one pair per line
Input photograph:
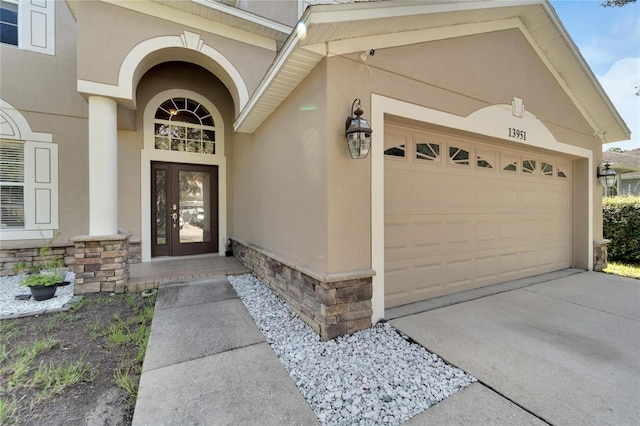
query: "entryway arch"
174, 145
186, 46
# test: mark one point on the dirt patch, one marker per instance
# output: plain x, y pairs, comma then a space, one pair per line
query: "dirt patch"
75, 380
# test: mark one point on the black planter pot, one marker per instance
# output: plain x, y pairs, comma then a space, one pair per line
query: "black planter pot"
43, 292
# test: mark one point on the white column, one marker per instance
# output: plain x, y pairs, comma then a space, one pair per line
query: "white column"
103, 166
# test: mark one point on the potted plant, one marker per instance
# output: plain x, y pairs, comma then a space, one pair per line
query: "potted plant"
42, 286
54, 265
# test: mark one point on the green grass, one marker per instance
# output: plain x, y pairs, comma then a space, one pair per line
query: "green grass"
53, 379
7, 409
133, 332
24, 366
624, 270
22, 359
127, 382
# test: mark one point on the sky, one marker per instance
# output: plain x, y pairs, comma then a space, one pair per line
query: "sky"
609, 40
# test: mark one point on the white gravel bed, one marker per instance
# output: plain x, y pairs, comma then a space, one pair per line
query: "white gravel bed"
10, 287
375, 376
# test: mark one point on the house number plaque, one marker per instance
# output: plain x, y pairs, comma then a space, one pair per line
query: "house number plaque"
517, 134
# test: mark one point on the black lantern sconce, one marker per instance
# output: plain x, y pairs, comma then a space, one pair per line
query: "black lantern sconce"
607, 176
358, 132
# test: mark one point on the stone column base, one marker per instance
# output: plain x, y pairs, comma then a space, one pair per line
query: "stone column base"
102, 263
333, 305
600, 259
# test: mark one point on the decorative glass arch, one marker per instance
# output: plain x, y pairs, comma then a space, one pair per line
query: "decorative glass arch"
184, 125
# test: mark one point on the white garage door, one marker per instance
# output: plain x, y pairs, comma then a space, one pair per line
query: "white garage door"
461, 214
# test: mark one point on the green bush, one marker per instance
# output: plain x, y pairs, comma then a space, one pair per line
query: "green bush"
621, 225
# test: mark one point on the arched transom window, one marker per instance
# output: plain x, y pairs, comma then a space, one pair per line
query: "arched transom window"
182, 124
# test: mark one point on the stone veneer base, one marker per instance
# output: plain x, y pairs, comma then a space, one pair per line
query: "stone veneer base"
333, 305
600, 256
102, 263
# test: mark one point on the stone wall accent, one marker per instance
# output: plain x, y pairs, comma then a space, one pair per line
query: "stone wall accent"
135, 251
600, 257
29, 253
333, 305
102, 263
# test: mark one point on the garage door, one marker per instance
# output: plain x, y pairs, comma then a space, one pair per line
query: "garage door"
461, 214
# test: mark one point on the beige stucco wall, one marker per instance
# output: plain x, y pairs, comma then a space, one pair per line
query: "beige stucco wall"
458, 76
280, 180
43, 88
462, 75
172, 75
96, 19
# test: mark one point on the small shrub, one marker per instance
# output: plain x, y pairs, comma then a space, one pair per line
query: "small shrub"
621, 225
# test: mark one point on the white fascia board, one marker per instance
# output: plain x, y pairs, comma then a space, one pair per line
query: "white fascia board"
382, 41
588, 72
343, 12
247, 16
159, 11
289, 46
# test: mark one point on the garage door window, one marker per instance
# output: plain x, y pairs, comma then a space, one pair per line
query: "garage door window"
485, 159
546, 169
396, 151
561, 174
529, 166
459, 156
428, 151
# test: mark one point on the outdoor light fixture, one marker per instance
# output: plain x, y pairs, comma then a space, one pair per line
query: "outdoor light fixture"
358, 132
607, 177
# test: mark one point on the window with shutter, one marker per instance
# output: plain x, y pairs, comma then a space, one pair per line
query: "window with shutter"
28, 179
30, 25
9, 23
11, 185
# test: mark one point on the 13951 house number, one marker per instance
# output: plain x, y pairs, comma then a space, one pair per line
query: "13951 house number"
517, 134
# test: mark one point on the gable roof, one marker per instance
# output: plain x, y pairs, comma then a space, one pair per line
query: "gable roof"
335, 29
623, 162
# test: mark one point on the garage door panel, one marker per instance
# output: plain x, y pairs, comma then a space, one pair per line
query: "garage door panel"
459, 272
509, 265
459, 232
451, 226
509, 229
529, 261
486, 269
427, 234
486, 230
548, 257
397, 236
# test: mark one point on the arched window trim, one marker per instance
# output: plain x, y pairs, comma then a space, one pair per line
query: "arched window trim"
171, 133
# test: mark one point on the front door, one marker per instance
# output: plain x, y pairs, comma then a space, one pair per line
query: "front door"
184, 209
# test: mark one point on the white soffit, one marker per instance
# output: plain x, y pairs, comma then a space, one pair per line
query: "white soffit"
353, 27
73, 7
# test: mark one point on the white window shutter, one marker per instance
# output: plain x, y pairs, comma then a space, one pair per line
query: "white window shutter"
41, 185
37, 26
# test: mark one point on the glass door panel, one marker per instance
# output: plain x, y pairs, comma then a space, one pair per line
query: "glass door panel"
185, 209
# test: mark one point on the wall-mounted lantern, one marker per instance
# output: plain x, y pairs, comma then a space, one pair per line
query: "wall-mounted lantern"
358, 132
606, 176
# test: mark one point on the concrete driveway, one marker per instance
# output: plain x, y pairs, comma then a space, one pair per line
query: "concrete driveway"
564, 351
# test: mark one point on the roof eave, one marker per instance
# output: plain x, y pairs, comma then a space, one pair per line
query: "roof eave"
315, 17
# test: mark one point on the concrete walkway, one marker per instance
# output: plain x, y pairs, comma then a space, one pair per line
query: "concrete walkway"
561, 348
564, 351
207, 363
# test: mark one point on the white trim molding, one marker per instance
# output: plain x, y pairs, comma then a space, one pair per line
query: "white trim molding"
149, 154
41, 210
136, 63
492, 121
